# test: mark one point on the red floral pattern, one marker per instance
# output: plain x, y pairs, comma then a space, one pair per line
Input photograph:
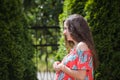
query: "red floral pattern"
75, 60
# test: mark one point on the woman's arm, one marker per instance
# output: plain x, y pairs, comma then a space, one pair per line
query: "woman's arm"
77, 74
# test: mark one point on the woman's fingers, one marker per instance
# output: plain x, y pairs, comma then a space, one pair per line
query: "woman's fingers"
55, 65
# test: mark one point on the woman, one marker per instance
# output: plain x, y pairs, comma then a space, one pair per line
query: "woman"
81, 61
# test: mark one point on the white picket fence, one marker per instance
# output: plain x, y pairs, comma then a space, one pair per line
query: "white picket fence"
46, 75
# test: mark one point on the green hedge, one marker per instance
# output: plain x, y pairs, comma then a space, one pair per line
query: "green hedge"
104, 18
16, 51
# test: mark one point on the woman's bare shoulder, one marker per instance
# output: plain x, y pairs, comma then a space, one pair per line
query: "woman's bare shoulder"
82, 46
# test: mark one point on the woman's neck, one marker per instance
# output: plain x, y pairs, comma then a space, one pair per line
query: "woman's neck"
75, 44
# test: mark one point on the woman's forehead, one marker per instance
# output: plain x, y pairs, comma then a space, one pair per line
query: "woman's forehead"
65, 24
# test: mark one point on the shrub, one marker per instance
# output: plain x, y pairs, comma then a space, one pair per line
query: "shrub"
104, 17
16, 51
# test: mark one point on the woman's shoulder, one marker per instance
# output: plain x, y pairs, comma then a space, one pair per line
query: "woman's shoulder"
82, 46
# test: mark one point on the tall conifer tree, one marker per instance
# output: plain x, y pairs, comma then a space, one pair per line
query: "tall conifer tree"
16, 50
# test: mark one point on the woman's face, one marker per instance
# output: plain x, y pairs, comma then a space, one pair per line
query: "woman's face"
66, 32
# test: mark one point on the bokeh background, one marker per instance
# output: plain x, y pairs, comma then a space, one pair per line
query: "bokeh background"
31, 36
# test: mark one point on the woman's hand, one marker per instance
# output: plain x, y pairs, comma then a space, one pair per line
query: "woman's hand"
57, 66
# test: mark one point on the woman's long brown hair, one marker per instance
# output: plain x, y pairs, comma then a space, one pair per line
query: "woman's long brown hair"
79, 30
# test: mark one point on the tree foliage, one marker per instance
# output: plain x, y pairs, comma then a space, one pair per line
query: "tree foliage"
104, 18
16, 51
44, 14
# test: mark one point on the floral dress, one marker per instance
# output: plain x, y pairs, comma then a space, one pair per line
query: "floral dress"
75, 60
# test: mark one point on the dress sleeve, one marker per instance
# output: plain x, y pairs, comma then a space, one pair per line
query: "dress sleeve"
84, 60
